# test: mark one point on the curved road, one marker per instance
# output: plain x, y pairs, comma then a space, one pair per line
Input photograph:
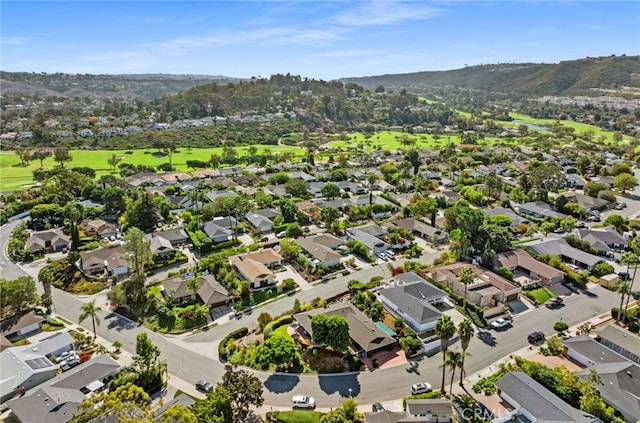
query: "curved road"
194, 357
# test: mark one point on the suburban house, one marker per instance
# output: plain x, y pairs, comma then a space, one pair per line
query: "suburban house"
603, 239
159, 244
208, 292
216, 232
540, 210
421, 229
57, 399
367, 337
416, 411
527, 270
28, 366
621, 341
105, 262
534, 402
370, 236
516, 219
176, 237
256, 267
321, 249
567, 253
262, 220
47, 241
308, 208
100, 228
18, 327
413, 299
487, 288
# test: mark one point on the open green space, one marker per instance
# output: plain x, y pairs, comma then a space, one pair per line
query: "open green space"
541, 295
14, 176
298, 416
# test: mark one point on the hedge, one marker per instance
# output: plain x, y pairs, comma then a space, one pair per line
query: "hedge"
275, 324
236, 334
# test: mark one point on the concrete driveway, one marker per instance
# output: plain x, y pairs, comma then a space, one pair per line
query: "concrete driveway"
291, 273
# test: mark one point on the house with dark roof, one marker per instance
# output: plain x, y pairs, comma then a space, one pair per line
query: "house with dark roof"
540, 210
321, 250
371, 236
621, 341
176, 237
516, 219
262, 220
416, 411
106, 262
567, 253
182, 399
536, 403
17, 327
216, 232
527, 270
367, 338
47, 241
413, 299
208, 292
159, 244
99, 228
603, 239
57, 399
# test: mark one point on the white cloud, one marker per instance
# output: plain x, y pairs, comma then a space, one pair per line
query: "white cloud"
383, 12
13, 41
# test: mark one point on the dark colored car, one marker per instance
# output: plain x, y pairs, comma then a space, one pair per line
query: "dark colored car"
376, 407
553, 302
535, 337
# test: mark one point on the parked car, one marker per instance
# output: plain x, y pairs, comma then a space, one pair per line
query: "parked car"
618, 207
264, 239
581, 225
553, 302
204, 386
501, 323
535, 337
558, 231
571, 287
306, 229
391, 254
383, 256
281, 234
420, 388
376, 407
301, 401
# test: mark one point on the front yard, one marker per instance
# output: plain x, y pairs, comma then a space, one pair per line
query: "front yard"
541, 295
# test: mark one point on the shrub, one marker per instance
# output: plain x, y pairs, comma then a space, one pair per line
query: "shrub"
236, 334
560, 326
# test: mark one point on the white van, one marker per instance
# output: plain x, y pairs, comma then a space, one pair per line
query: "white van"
300, 401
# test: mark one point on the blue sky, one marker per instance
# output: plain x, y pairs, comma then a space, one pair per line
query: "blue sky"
315, 39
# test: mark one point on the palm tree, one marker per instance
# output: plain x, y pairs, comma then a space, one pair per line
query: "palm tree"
90, 310
623, 288
193, 285
466, 331
445, 329
453, 361
466, 278
46, 278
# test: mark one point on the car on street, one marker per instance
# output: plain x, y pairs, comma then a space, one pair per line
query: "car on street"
535, 337
571, 287
383, 256
618, 207
302, 401
376, 407
581, 225
420, 388
553, 302
204, 386
281, 234
501, 323
306, 229
558, 231
264, 239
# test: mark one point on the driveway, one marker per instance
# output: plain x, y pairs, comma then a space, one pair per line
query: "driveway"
289, 272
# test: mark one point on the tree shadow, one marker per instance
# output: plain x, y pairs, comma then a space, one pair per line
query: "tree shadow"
280, 383
590, 294
119, 323
340, 384
487, 337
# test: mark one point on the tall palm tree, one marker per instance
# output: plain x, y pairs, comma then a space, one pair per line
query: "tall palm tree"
46, 278
445, 329
453, 361
466, 331
193, 285
466, 278
623, 288
90, 310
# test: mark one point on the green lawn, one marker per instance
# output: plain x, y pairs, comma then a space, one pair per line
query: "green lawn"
282, 331
14, 176
298, 416
542, 295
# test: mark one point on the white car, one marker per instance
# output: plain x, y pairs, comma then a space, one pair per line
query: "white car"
420, 388
301, 401
501, 323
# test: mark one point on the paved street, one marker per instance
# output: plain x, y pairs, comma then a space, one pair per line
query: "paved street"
193, 357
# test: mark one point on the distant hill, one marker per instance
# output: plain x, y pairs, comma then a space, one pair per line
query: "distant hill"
129, 86
575, 77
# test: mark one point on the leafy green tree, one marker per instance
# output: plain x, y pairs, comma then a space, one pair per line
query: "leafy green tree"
591, 401
90, 310
620, 168
583, 164
61, 155
546, 177
460, 244
330, 191
501, 220
115, 201
178, 413
332, 331
138, 249
288, 210
335, 416
126, 404
17, 296
151, 370
625, 182
279, 350
444, 329
113, 161
297, 188
74, 213
462, 216
294, 230
498, 238
245, 389
143, 213
330, 215
215, 408
618, 222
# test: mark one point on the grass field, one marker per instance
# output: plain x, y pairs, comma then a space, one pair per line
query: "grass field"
13, 176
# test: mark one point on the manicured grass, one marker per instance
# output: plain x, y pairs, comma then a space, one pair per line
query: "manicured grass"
542, 294
299, 416
155, 291
282, 331
14, 176
179, 392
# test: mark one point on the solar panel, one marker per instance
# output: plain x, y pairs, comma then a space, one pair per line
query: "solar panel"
38, 363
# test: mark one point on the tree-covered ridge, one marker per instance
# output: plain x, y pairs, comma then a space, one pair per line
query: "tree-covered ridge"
575, 77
